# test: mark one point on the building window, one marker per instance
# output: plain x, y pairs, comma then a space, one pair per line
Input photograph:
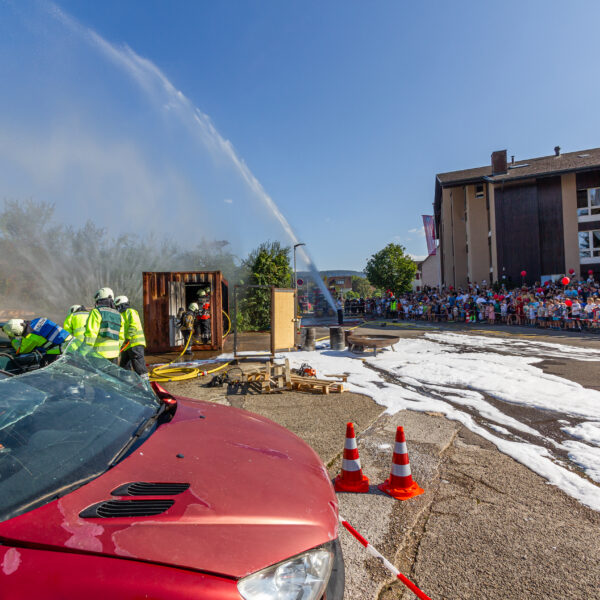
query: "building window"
479, 193
588, 204
589, 246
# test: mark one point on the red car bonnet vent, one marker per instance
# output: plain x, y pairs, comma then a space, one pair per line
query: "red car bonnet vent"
126, 508
145, 488
165, 396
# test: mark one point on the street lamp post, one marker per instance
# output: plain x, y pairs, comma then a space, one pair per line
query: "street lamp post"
296, 288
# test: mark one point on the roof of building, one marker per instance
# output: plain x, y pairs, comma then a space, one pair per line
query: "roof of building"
545, 165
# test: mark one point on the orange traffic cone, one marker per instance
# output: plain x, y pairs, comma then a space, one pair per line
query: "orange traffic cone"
400, 484
351, 479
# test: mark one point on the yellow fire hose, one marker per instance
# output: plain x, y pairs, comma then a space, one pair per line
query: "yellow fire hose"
166, 373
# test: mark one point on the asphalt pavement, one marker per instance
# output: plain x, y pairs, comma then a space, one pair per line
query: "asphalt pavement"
486, 527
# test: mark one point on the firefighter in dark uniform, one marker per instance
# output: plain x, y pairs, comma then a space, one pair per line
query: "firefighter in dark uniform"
186, 325
204, 316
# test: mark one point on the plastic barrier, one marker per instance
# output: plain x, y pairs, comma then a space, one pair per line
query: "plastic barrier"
386, 563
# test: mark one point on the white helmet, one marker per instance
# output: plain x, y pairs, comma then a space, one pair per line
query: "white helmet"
193, 306
121, 300
14, 328
202, 293
76, 308
103, 294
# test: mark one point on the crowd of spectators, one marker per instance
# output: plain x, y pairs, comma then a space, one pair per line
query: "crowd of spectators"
563, 304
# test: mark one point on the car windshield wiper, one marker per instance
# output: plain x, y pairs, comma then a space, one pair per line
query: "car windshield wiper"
137, 434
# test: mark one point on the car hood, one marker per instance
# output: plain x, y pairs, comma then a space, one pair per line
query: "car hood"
257, 494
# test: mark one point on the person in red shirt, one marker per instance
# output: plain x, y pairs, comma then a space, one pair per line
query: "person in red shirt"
204, 316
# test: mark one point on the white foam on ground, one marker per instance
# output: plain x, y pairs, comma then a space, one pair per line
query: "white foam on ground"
433, 365
499, 429
587, 457
588, 432
485, 409
542, 349
513, 379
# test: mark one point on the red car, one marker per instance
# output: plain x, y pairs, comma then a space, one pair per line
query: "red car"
109, 489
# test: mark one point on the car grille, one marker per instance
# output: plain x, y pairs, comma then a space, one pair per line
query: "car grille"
126, 508
144, 488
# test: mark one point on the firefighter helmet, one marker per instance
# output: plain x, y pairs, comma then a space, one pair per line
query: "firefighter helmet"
76, 308
103, 294
121, 300
193, 306
14, 327
202, 293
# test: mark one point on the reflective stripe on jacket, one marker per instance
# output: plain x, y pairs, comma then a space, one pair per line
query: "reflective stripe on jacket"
134, 332
103, 325
205, 311
44, 334
54, 334
75, 324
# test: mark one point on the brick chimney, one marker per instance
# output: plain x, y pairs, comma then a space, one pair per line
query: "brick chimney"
499, 162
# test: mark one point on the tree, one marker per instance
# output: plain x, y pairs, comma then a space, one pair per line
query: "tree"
391, 269
45, 266
361, 286
269, 264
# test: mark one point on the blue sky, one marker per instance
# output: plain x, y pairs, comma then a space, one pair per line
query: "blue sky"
343, 111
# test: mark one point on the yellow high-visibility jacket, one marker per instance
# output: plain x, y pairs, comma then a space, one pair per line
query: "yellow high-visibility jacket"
134, 332
75, 324
105, 331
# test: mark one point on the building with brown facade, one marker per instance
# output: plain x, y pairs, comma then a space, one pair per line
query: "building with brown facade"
540, 215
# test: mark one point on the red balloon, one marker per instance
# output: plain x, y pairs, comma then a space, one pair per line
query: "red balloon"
569, 302
565, 281
450, 288
547, 283
495, 296
571, 271
523, 273
591, 272
501, 297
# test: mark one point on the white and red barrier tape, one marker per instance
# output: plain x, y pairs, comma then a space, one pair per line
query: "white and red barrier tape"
386, 563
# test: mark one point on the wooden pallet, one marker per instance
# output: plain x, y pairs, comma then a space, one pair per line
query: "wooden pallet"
311, 384
343, 377
272, 377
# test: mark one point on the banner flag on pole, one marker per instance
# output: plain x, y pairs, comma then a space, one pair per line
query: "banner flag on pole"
429, 226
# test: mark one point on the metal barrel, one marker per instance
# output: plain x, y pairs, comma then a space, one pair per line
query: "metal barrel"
336, 338
310, 336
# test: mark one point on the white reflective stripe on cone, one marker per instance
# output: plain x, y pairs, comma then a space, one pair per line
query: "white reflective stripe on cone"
400, 470
350, 444
400, 448
350, 465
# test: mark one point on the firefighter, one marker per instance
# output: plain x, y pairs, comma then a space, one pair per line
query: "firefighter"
186, 324
76, 320
132, 354
104, 330
38, 334
204, 317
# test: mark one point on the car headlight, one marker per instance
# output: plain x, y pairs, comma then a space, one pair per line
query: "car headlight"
303, 577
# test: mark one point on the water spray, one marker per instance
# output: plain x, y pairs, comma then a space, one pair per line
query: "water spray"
162, 92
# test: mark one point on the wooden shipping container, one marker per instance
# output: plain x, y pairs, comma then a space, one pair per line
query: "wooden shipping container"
168, 292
